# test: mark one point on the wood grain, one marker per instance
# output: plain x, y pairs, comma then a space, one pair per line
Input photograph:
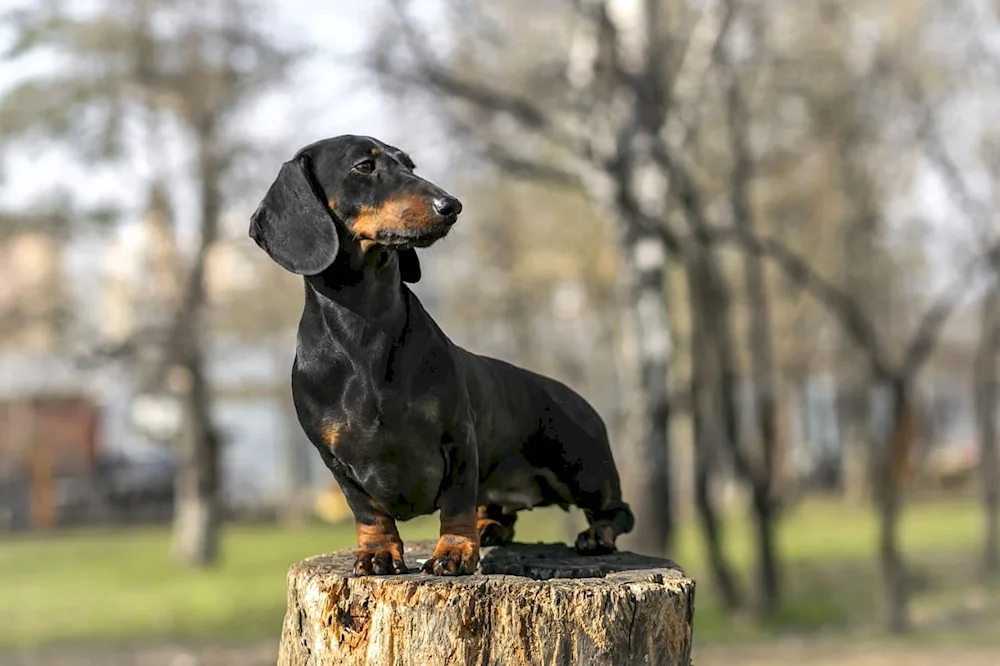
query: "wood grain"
529, 605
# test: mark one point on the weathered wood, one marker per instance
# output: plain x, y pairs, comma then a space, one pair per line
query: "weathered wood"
531, 604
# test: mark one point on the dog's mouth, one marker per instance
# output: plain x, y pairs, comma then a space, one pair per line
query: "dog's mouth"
402, 239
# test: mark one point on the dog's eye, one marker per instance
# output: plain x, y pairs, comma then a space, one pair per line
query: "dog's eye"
365, 166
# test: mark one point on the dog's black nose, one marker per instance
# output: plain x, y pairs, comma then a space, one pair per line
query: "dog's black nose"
447, 206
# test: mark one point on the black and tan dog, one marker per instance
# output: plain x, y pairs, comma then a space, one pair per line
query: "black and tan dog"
408, 422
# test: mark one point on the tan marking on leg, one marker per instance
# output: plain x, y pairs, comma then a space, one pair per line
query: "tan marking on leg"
331, 434
378, 542
457, 550
461, 525
377, 535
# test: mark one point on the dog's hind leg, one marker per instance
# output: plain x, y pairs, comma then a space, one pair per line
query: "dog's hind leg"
578, 452
495, 527
607, 515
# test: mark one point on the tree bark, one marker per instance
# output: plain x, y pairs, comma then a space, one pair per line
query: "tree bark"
196, 518
705, 403
855, 464
640, 45
986, 394
759, 343
197, 512
767, 591
647, 466
717, 337
885, 486
539, 604
650, 468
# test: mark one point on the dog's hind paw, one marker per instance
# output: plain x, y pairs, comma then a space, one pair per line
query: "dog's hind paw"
493, 533
453, 556
598, 539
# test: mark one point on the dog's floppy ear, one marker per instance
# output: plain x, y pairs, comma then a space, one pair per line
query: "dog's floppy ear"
409, 265
293, 225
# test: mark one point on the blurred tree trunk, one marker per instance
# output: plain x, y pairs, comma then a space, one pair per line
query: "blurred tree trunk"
640, 88
985, 392
713, 356
764, 511
854, 377
886, 481
139, 60
708, 400
759, 337
650, 467
861, 263
855, 470
197, 514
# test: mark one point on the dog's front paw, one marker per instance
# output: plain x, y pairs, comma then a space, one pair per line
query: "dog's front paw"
453, 556
381, 561
598, 539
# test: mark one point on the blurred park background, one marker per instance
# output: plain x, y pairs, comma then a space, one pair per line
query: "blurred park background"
760, 236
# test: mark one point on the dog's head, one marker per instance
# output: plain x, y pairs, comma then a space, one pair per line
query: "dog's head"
350, 189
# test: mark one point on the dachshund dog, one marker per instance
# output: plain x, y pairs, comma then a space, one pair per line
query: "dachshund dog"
408, 422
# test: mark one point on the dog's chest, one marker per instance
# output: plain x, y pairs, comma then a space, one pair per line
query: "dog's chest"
391, 449
370, 426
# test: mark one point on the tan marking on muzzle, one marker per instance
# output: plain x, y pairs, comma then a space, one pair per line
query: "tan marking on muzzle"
408, 212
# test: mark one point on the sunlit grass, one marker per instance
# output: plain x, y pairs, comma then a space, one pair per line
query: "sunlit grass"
828, 550
122, 586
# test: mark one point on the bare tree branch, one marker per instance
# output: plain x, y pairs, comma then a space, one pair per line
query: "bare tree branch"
922, 343
934, 147
528, 115
500, 156
797, 270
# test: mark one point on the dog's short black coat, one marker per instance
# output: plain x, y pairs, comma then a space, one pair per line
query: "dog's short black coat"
408, 422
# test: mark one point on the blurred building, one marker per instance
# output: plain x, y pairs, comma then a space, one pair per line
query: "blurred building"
31, 294
80, 440
48, 421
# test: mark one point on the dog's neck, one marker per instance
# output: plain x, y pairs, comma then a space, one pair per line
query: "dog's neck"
362, 290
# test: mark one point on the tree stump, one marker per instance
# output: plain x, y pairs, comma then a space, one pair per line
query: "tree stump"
528, 605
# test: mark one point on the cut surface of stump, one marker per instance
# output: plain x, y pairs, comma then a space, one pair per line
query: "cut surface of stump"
529, 604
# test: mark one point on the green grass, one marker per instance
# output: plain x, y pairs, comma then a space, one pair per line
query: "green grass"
120, 586
832, 580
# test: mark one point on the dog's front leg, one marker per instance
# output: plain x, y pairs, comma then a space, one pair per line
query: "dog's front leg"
380, 550
457, 550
